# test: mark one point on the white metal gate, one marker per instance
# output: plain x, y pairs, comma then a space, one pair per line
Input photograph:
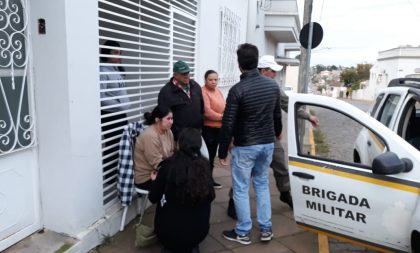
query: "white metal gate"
19, 190
152, 35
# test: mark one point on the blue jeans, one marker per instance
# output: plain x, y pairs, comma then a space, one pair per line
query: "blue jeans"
251, 162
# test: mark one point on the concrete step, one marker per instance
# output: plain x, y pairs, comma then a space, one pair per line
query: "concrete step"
44, 241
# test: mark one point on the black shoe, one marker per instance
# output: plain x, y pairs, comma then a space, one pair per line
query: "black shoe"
266, 235
217, 185
286, 197
231, 211
231, 235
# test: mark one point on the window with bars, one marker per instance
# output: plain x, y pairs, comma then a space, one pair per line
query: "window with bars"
152, 36
229, 41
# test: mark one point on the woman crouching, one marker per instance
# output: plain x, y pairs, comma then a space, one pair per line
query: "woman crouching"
183, 190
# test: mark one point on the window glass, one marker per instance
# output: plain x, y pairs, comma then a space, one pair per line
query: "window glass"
339, 137
412, 132
388, 110
377, 102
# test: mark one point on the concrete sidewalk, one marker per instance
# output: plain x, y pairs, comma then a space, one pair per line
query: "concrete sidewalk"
287, 236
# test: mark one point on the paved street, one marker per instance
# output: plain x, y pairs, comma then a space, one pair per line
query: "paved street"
361, 104
339, 131
287, 236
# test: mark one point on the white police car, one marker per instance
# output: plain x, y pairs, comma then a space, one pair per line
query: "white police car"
398, 108
376, 204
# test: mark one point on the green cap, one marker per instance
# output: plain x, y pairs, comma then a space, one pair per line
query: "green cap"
181, 67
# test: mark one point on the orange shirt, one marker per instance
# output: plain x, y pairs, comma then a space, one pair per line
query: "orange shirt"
214, 106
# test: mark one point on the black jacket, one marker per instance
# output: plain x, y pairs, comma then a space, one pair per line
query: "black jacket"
179, 224
188, 112
252, 115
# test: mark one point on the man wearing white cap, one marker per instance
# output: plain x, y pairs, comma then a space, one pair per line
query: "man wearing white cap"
267, 63
268, 67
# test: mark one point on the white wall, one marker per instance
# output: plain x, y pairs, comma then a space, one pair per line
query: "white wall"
252, 31
269, 48
255, 30
388, 69
292, 73
66, 80
209, 26
256, 34
407, 66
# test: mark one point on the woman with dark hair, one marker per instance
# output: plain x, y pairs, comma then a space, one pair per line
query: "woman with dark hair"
214, 105
184, 191
153, 145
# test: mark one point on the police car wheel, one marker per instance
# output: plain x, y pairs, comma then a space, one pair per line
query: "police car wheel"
415, 242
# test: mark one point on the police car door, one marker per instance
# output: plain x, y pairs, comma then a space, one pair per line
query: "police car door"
387, 113
336, 196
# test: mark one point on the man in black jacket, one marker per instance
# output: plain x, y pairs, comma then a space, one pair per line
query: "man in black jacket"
185, 99
252, 118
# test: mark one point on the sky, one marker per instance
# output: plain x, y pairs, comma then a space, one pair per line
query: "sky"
356, 30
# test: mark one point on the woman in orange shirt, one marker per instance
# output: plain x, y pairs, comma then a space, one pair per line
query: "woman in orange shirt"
214, 106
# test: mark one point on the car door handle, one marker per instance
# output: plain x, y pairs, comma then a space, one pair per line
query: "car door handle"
303, 175
369, 143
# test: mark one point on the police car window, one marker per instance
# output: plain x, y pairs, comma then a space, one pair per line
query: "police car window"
385, 115
338, 138
410, 123
377, 102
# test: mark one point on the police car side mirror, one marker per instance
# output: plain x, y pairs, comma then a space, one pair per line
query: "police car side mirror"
388, 163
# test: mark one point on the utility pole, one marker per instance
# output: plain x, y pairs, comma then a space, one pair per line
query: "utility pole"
305, 54
303, 82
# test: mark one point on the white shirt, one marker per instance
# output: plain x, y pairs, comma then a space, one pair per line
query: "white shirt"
116, 99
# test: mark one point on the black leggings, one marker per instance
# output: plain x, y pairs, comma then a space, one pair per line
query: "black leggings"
211, 137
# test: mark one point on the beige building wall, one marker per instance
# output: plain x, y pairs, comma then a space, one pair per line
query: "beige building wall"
292, 73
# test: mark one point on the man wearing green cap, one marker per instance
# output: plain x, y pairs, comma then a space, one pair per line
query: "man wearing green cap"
183, 95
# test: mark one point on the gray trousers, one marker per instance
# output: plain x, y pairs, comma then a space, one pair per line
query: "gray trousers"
280, 167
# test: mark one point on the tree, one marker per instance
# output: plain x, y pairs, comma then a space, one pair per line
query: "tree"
363, 70
316, 78
333, 67
355, 86
349, 76
320, 67
321, 87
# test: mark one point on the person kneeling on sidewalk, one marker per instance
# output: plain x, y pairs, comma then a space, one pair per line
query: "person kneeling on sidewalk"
183, 190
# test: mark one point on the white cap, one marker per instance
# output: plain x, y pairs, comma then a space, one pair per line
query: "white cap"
267, 61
